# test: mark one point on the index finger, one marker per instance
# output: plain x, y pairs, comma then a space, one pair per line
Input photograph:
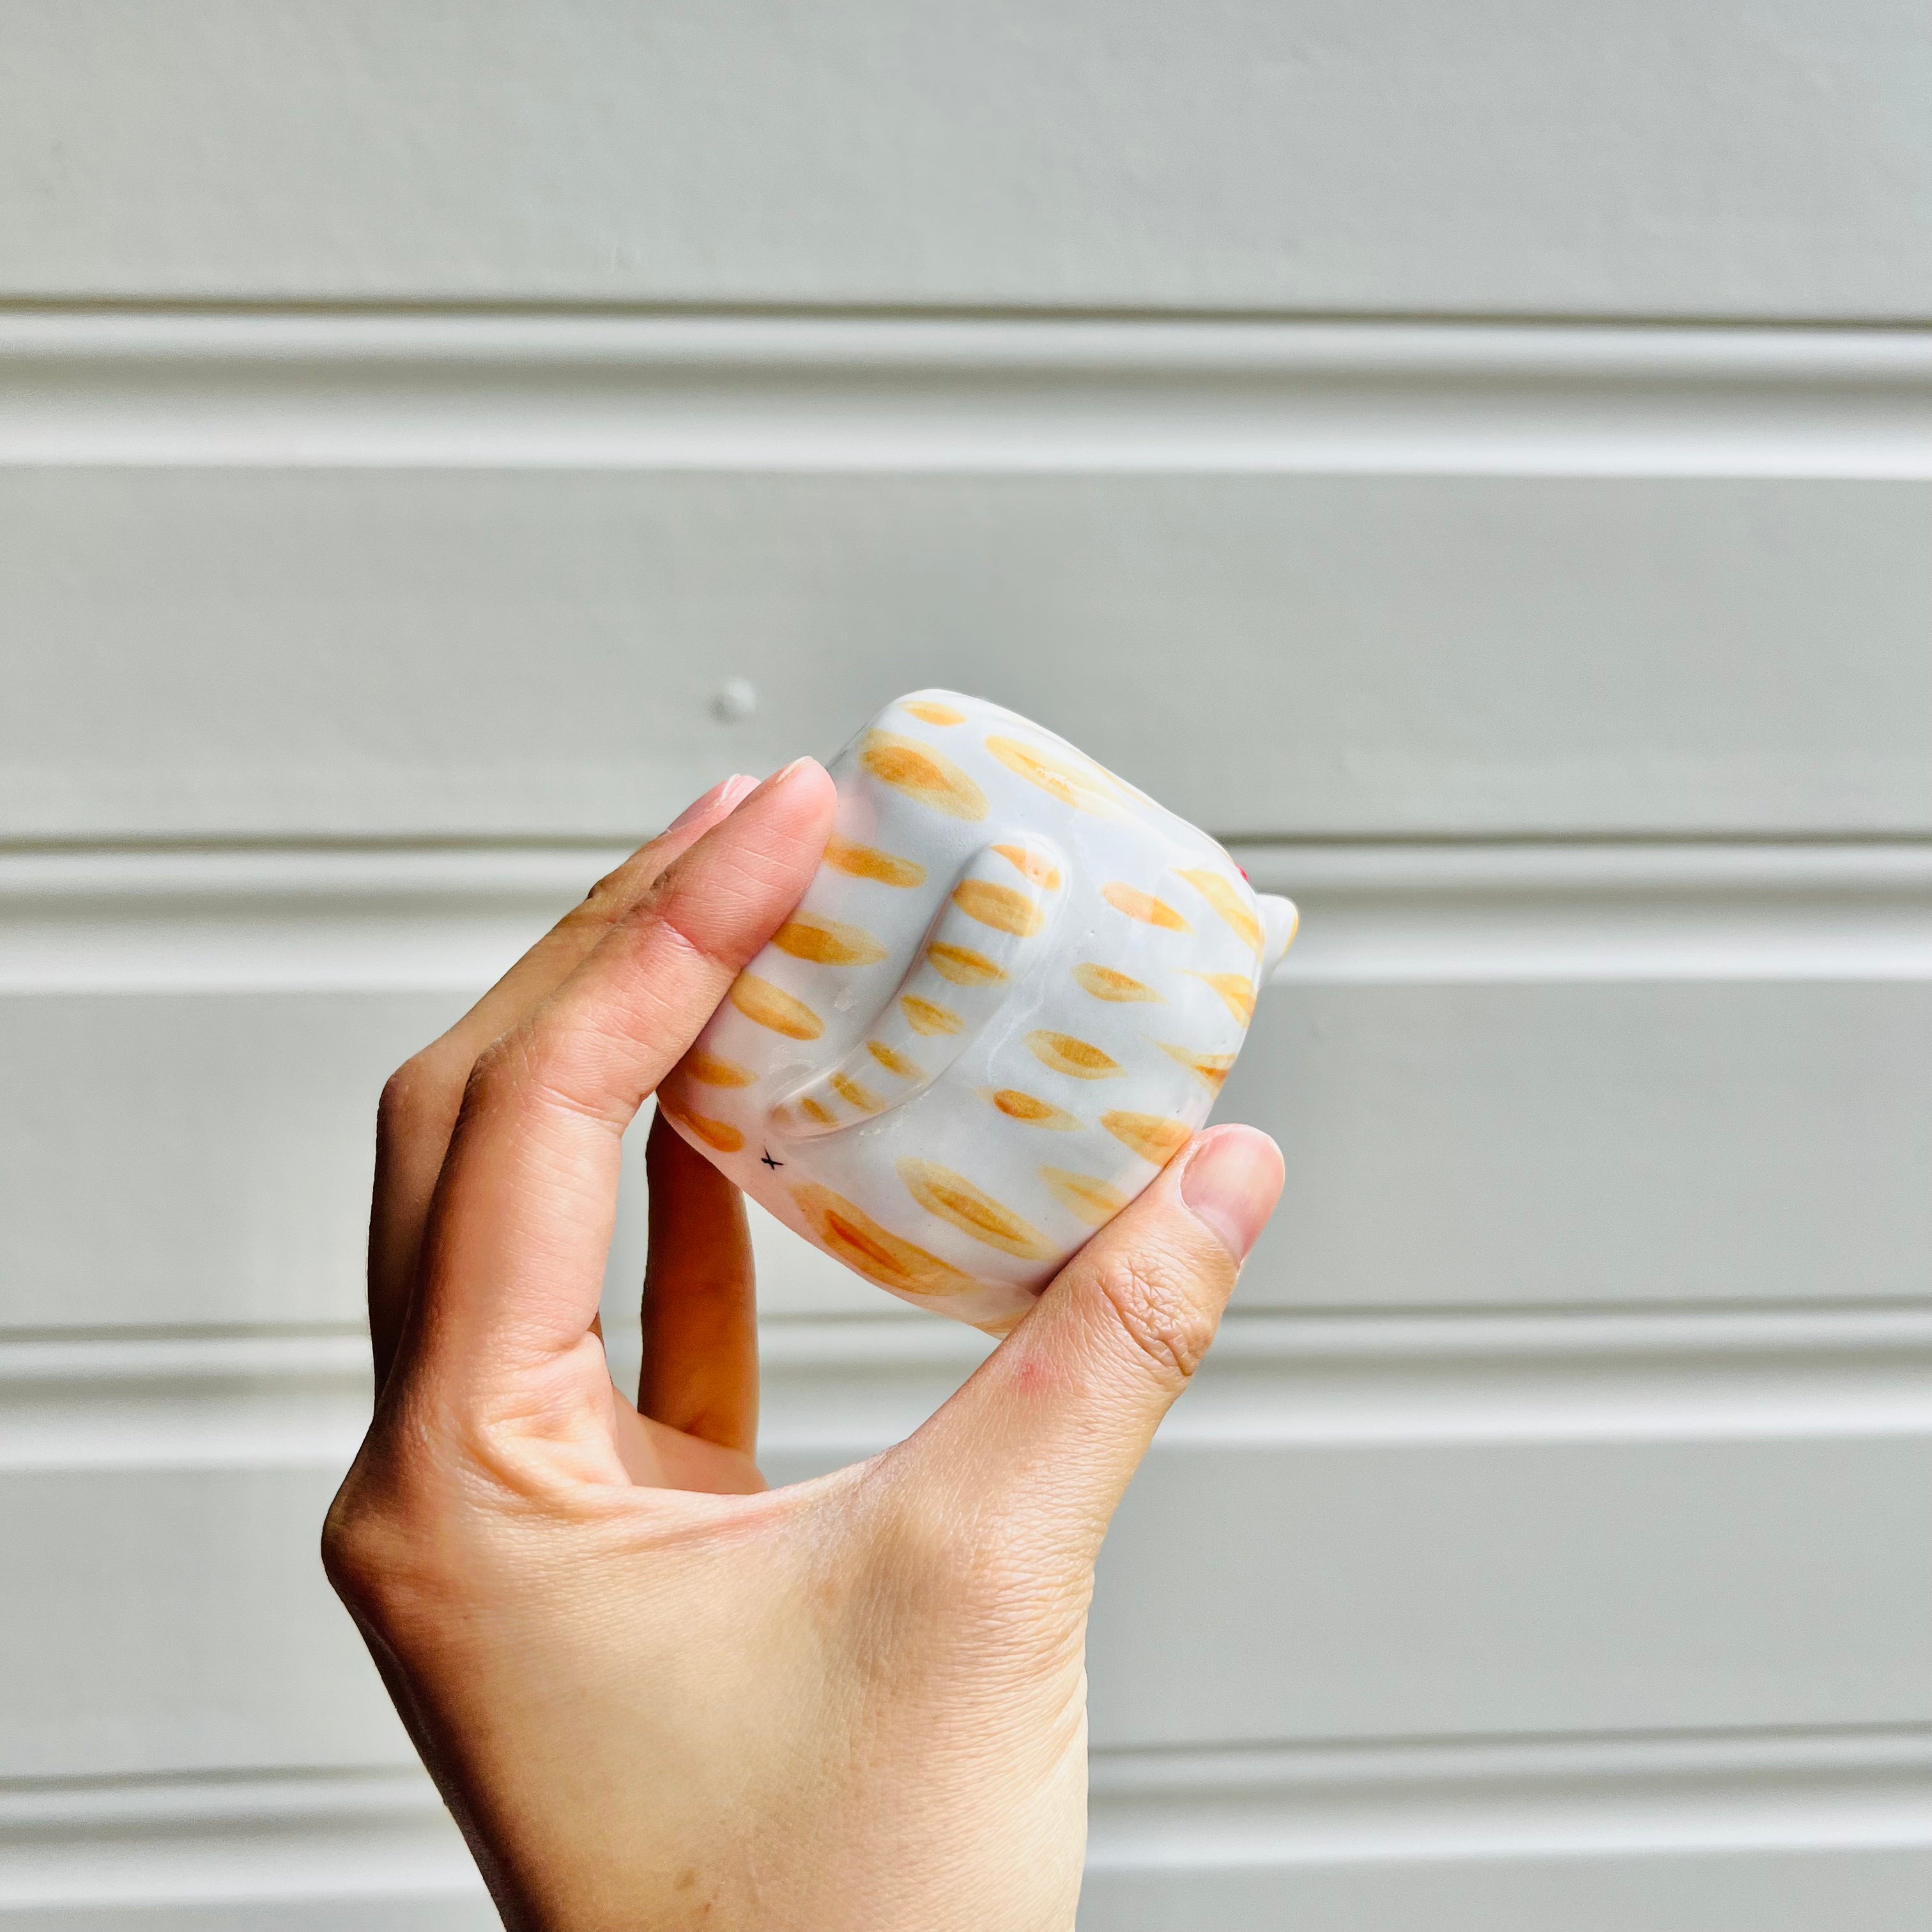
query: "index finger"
421, 1102
521, 1222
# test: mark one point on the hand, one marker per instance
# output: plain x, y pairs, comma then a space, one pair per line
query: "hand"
655, 1693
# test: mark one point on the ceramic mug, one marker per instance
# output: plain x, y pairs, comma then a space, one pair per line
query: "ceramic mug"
1009, 997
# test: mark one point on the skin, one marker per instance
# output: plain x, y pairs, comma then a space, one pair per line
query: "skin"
655, 1693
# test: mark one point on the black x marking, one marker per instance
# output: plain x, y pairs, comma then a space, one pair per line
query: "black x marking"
765, 1159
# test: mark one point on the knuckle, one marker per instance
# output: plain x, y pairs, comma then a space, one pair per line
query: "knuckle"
541, 1069
497, 1073
665, 909
419, 1098
405, 1092
363, 1550
1158, 1306
607, 901
532, 1063
383, 1546
604, 893
619, 889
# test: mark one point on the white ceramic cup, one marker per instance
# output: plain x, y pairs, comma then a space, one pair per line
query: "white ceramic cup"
1009, 997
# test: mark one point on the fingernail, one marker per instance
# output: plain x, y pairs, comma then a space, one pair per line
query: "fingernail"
1231, 1182
778, 778
726, 794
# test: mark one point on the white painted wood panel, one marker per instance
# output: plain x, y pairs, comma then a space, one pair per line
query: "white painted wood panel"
183, 1160
179, 1620
193, 1160
1793, 1887
315, 1851
1447, 1588
1736, 159
221, 653
1589, 1076
1588, 1142
1729, 1833
1741, 1831
406, 423
188, 1159
1350, 1532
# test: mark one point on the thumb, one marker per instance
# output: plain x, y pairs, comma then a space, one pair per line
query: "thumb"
1049, 1430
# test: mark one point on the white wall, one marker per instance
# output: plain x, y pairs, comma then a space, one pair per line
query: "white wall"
1518, 419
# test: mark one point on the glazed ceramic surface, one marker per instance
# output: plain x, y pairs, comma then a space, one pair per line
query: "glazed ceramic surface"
1011, 994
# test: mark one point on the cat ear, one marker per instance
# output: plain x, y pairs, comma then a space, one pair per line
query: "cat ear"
1279, 922
993, 924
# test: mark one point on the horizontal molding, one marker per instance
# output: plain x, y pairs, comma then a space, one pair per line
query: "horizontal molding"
727, 392
836, 1389
288, 1839
299, 1835
183, 1401
1524, 1798
289, 919
1484, 911
369, 919
1470, 1375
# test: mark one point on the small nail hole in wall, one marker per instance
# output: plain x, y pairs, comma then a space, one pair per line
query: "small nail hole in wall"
734, 700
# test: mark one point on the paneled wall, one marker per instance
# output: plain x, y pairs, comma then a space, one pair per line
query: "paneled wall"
1478, 460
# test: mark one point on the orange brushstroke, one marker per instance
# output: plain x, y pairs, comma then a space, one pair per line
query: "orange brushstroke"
849, 1234
711, 1071
998, 906
921, 773
1224, 896
824, 942
1091, 1200
1152, 1136
1144, 907
868, 862
1236, 989
1212, 1069
895, 1063
1035, 1112
973, 1211
1104, 983
719, 1134
849, 1090
928, 1018
1065, 1055
772, 1006
963, 966
1043, 872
